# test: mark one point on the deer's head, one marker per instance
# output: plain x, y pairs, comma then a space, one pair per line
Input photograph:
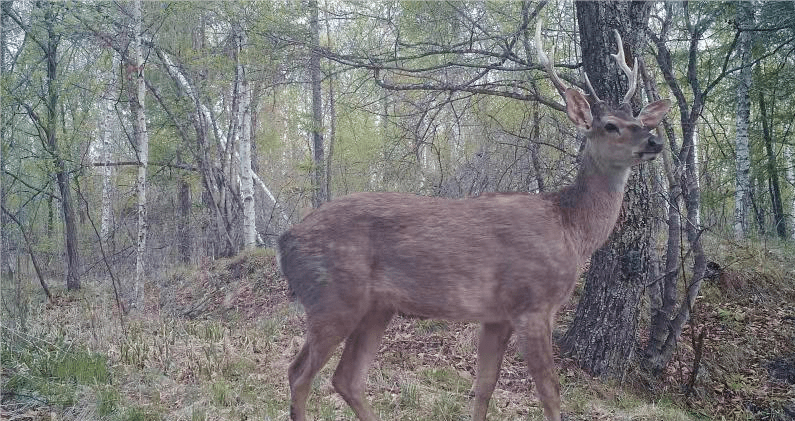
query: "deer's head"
615, 136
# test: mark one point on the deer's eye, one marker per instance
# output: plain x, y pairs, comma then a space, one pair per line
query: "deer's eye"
610, 127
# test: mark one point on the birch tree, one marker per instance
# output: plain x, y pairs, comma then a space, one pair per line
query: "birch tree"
106, 122
244, 142
742, 195
789, 154
142, 142
205, 127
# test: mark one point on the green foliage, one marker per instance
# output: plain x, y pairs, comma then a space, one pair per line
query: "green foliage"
135, 349
49, 372
427, 326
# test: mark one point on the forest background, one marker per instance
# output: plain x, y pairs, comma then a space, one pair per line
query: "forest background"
146, 145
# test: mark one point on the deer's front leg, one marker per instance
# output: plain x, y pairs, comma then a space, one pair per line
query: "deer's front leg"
535, 341
493, 341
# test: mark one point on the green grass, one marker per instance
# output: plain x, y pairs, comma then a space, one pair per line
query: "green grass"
409, 396
140, 414
447, 407
424, 327
446, 379
221, 394
48, 372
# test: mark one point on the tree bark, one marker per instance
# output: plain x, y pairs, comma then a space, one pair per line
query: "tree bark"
332, 136
318, 180
4, 248
772, 172
759, 215
244, 148
183, 224
61, 172
213, 178
332, 110
142, 142
745, 15
106, 155
789, 154
601, 338
663, 292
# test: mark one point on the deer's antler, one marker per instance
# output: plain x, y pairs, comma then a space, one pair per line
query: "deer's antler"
553, 75
632, 73
590, 87
547, 63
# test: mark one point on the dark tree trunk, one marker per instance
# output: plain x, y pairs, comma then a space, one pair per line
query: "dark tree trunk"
183, 221
533, 146
772, 172
318, 179
759, 215
72, 274
601, 338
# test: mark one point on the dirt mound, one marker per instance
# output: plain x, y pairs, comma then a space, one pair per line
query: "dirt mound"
238, 288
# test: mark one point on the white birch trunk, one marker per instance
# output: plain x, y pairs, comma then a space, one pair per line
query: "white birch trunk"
244, 146
270, 195
696, 164
246, 180
742, 191
789, 153
142, 140
204, 112
106, 133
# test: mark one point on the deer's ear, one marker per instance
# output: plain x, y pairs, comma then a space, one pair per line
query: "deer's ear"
652, 114
578, 109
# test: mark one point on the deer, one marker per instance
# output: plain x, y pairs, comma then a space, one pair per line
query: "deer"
506, 260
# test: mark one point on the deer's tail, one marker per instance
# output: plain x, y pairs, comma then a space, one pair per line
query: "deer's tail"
306, 272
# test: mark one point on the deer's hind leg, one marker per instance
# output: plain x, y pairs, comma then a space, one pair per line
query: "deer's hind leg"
322, 338
360, 348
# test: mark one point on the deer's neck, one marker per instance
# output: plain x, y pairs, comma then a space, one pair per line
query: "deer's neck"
590, 207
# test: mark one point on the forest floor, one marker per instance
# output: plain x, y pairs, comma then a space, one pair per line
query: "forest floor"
214, 343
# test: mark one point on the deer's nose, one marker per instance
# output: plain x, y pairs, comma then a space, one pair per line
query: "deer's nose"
653, 142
